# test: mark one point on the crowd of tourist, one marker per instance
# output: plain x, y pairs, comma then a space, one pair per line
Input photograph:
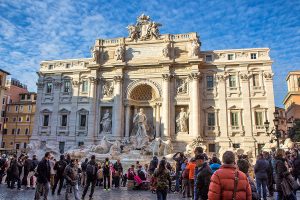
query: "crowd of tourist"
275, 174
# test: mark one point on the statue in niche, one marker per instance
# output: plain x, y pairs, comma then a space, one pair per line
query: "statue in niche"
108, 89
181, 121
140, 121
120, 53
182, 86
106, 123
194, 49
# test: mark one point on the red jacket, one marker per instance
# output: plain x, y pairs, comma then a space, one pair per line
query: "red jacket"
222, 184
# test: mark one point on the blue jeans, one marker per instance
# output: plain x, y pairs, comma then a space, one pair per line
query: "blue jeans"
262, 184
161, 194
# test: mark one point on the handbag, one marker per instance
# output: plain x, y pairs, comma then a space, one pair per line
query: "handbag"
293, 183
286, 187
236, 180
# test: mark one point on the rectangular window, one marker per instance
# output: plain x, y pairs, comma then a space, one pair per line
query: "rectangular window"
236, 145
61, 147
80, 144
230, 56
232, 81
82, 120
20, 119
211, 119
18, 131
64, 120
22, 96
255, 79
67, 86
3, 101
234, 118
13, 131
46, 120
17, 146
25, 145
208, 58
299, 82
3, 144
4, 131
209, 81
29, 108
211, 147
50, 67
49, 87
84, 86
258, 118
253, 56
21, 108
26, 131
14, 119
68, 66
16, 108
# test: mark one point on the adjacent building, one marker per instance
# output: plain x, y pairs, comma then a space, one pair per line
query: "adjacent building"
292, 99
221, 97
19, 122
3, 76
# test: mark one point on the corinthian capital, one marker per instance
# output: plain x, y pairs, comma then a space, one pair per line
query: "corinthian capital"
167, 77
118, 78
195, 75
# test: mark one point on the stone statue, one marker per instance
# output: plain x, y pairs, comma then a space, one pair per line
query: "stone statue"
133, 32
168, 147
154, 146
94, 52
182, 87
154, 31
115, 148
181, 121
106, 123
120, 53
166, 51
108, 89
103, 147
140, 120
194, 49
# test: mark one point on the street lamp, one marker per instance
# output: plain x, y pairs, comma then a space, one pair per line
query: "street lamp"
275, 132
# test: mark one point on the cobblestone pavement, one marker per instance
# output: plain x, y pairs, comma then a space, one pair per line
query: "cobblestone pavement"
114, 194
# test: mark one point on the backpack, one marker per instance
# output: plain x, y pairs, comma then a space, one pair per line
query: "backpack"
91, 170
59, 167
83, 166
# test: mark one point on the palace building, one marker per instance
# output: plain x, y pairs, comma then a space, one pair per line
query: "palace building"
220, 97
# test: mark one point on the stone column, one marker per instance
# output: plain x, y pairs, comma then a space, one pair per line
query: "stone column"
166, 105
92, 123
118, 107
247, 115
195, 107
157, 120
269, 95
127, 118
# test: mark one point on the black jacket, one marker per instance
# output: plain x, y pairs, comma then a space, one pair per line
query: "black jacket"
261, 169
179, 160
296, 167
43, 171
202, 182
281, 171
14, 168
60, 167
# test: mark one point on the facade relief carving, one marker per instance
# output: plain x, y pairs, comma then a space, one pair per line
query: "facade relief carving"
182, 86
166, 51
108, 89
268, 75
244, 77
75, 83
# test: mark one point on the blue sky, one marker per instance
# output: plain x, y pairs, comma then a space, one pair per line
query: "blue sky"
32, 31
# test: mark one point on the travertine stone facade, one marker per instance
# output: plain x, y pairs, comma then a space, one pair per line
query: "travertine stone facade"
227, 94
